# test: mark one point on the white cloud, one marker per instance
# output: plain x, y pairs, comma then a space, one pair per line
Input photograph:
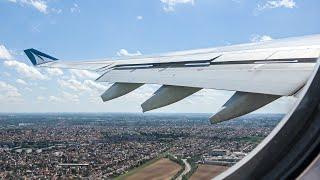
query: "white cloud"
271, 4
73, 84
95, 99
123, 52
64, 98
68, 97
260, 38
9, 93
85, 86
139, 17
40, 98
57, 11
20, 81
54, 71
54, 99
4, 53
94, 85
6, 74
84, 74
25, 70
75, 8
8, 89
28, 89
39, 5
169, 5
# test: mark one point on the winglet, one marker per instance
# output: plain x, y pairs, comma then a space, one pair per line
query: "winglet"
37, 57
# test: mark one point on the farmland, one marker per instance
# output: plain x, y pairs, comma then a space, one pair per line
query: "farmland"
161, 169
207, 172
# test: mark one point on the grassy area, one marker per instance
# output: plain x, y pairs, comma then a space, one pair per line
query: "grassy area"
252, 139
134, 170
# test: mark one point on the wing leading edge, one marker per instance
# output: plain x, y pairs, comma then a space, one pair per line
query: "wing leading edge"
259, 72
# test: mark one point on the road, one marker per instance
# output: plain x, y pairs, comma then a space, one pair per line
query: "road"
186, 170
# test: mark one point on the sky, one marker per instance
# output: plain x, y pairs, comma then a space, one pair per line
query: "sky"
81, 30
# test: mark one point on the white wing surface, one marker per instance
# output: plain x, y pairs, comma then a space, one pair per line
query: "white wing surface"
263, 70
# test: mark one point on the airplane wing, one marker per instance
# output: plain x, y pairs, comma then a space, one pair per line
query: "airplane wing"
259, 73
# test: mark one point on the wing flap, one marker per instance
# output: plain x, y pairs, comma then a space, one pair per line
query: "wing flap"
167, 95
118, 90
242, 103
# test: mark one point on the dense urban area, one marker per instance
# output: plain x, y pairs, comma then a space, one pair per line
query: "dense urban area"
108, 145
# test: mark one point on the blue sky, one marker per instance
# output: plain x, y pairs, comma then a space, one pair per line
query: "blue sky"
79, 30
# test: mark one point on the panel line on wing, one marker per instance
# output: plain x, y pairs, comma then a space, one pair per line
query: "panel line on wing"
205, 63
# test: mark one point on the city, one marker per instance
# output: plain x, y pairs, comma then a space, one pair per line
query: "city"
98, 146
